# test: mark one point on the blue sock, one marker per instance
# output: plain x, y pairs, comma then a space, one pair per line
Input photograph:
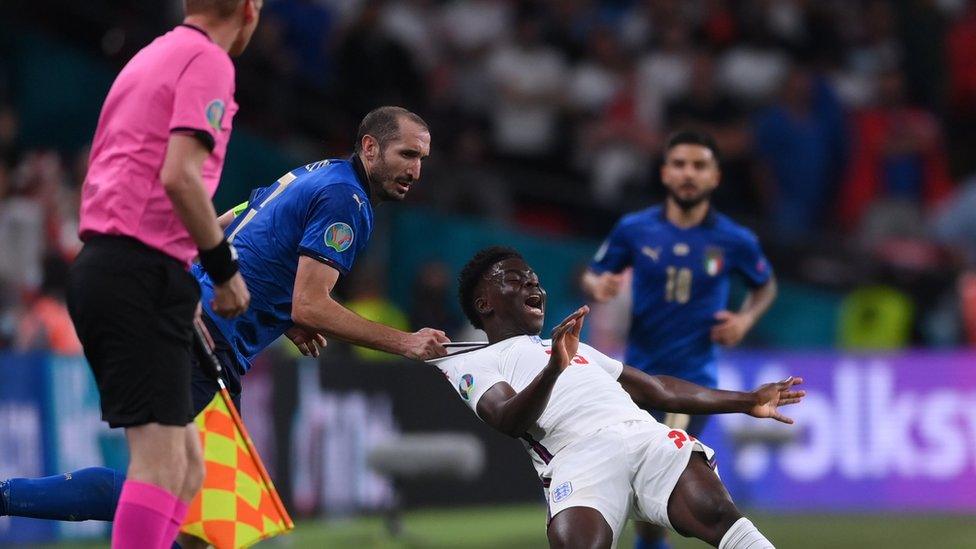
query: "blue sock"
86, 494
652, 544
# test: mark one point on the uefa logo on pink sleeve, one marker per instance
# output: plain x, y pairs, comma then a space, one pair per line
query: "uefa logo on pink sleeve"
215, 114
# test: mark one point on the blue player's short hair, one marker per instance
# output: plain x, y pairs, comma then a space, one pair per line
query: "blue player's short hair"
693, 137
383, 123
472, 272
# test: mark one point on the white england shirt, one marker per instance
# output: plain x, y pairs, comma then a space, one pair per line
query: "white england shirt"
585, 398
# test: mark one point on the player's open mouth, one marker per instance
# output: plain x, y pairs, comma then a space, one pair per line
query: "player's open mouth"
403, 187
534, 304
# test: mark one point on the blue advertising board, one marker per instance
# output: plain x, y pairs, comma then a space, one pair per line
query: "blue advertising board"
876, 432
50, 423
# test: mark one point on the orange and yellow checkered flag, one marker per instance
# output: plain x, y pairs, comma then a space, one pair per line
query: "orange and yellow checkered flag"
238, 505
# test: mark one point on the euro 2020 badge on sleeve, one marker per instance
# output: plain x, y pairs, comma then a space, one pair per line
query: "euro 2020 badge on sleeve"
339, 236
465, 386
215, 114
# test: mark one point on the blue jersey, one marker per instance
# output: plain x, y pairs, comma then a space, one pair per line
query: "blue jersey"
320, 210
680, 280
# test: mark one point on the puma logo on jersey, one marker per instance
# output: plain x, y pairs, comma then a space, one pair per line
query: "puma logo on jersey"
359, 201
316, 165
653, 253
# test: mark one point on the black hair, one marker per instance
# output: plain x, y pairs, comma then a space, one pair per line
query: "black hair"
472, 273
692, 137
383, 123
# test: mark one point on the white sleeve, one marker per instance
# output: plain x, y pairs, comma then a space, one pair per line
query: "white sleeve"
611, 366
472, 377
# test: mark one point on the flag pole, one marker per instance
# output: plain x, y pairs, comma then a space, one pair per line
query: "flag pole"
205, 343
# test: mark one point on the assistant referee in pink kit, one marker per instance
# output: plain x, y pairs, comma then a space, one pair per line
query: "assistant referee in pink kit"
146, 212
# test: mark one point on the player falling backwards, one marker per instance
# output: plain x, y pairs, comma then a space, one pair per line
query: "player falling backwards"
683, 254
294, 238
600, 456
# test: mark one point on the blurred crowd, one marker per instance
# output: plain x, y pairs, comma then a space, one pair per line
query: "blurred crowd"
846, 126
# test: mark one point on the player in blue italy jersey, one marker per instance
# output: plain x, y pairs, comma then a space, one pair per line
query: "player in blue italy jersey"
294, 239
682, 254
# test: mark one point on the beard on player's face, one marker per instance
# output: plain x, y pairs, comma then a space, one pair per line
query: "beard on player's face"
393, 184
689, 200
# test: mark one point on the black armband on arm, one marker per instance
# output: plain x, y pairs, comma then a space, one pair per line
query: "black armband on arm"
220, 262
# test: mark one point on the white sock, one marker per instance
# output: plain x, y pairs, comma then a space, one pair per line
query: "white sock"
744, 535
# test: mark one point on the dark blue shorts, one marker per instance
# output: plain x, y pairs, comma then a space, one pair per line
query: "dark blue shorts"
203, 383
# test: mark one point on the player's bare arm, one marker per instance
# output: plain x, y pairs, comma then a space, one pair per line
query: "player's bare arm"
183, 182
601, 287
314, 310
513, 413
732, 327
671, 394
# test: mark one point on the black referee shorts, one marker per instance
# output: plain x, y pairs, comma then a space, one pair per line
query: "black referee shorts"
133, 308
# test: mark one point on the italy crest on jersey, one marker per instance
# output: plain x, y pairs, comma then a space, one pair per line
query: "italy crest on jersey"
714, 260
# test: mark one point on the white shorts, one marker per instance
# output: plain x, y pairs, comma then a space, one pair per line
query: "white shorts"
622, 471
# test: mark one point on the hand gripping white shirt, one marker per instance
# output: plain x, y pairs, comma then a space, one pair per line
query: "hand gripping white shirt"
585, 398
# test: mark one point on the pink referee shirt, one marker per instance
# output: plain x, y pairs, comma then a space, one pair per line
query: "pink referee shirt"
181, 82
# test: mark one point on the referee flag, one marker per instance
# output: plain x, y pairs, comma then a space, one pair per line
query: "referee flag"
238, 505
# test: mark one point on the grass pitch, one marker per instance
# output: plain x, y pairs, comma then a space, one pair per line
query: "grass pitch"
522, 527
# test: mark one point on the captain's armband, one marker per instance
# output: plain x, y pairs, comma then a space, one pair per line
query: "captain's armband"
240, 208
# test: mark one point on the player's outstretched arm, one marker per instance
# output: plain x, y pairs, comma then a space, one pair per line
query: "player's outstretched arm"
601, 287
314, 310
670, 394
513, 413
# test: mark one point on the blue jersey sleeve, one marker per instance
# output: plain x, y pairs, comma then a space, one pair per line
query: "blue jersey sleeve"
614, 254
334, 228
751, 262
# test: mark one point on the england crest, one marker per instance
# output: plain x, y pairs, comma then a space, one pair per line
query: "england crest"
561, 492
